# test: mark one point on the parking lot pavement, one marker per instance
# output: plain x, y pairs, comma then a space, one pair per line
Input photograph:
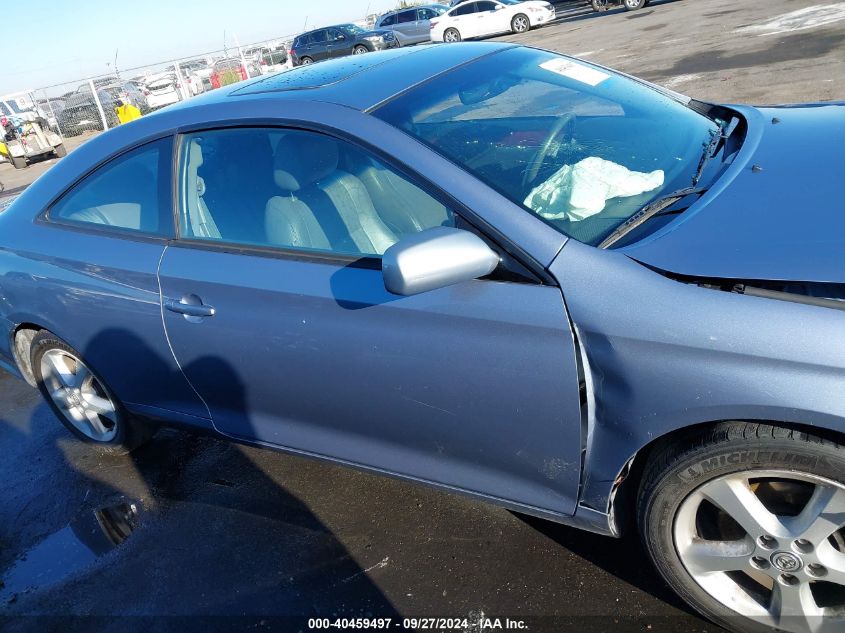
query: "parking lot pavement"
216, 529
16, 180
721, 50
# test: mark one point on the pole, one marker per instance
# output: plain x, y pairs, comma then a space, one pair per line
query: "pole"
99, 105
241, 55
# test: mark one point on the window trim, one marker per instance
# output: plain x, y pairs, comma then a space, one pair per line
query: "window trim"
462, 213
168, 233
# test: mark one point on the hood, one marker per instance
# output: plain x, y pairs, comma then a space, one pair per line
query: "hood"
783, 220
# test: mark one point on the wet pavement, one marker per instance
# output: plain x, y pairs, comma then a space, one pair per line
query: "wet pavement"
193, 526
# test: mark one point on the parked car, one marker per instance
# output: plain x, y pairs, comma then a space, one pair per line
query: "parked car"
197, 74
490, 17
81, 113
272, 60
411, 26
660, 349
339, 41
227, 71
629, 5
163, 90
129, 92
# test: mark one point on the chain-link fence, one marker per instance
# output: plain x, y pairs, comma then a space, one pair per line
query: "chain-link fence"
92, 104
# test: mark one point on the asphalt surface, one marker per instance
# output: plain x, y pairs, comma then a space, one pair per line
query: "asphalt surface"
208, 529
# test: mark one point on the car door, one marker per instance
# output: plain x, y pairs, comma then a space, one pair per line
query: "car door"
339, 43
276, 309
406, 25
318, 46
463, 19
98, 289
488, 18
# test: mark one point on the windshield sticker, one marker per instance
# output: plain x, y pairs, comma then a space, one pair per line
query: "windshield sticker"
576, 71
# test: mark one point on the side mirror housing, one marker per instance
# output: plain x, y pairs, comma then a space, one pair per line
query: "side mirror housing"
436, 258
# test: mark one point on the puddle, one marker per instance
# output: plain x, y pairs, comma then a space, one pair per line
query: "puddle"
70, 550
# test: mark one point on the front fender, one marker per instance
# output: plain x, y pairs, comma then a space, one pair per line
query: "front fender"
663, 355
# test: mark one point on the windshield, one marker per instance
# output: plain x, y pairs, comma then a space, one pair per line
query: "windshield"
354, 29
582, 148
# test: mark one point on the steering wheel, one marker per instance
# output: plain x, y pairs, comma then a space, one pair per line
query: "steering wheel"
566, 122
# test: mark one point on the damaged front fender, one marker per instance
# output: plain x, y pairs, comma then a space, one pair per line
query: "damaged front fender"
664, 355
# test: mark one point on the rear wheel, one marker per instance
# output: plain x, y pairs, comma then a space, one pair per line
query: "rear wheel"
747, 523
360, 50
81, 399
520, 23
306, 60
18, 162
633, 5
601, 5
451, 35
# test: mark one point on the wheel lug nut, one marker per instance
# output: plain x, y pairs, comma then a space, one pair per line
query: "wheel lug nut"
767, 542
816, 571
802, 546
788, 579
759, 562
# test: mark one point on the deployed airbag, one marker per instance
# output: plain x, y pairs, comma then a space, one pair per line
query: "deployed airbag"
576, 192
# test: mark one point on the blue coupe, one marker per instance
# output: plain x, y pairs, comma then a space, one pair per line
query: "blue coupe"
485, 267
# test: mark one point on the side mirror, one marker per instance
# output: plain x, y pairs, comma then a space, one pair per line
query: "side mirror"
436, 258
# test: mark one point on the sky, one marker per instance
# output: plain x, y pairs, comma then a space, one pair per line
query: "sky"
66, 40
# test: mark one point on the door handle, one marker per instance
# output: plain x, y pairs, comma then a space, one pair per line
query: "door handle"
189, 305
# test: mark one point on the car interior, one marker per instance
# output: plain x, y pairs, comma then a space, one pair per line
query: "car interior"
298, 190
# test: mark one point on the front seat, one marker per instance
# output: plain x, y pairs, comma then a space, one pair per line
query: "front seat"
321, 207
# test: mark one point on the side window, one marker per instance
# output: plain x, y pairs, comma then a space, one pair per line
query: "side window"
299, 190
464, 9
335, 35
485, 6
390, 20
318, 37
426, 14
408, 16
131, 192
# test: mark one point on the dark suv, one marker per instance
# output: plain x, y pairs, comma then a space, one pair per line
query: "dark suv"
339, 41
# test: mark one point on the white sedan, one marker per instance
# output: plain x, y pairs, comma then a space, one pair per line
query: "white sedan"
489, 17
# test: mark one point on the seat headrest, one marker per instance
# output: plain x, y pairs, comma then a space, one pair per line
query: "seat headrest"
302, 159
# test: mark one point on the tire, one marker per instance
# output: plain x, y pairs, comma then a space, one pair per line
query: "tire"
81, 400
18, 162
600, 5
520, 23
633, 5
360, 50
451, 35
305, 61
760, 474
60, 150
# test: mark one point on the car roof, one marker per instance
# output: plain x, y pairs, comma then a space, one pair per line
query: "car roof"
362, 81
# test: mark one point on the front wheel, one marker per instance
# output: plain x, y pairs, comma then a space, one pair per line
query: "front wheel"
360, 50
601, 5
451, 35
80, 398
520, 23
746, 522
633, 5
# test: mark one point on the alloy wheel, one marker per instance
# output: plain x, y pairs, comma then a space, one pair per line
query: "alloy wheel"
78, 395
451, 35
520, 24
769, 545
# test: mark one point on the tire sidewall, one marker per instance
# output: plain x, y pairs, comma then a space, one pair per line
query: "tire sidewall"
515, 18
126, 436
658, 510
458, 33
